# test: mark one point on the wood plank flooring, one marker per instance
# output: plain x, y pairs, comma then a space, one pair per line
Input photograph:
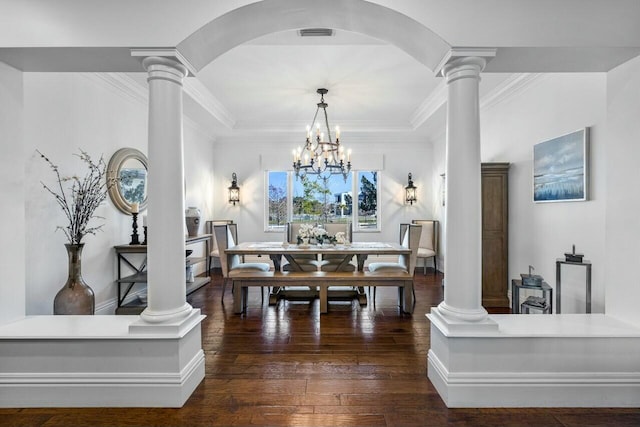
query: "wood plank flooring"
289, 366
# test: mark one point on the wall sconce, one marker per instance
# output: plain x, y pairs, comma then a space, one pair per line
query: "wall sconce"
410, 191
234, 190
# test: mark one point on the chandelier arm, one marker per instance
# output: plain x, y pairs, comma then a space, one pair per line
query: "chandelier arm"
326, 122
315, 116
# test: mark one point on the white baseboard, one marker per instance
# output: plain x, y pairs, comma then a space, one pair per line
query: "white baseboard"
91, 389
109, 306
533, 389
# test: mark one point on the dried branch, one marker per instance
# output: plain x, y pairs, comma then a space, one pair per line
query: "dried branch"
81, 199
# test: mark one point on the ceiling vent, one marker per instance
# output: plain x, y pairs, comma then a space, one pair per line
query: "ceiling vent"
315, 32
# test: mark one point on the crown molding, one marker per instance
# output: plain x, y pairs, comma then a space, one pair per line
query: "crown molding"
125, 86
130, 89
513, 85
385, 142
200, 94
347, 127
505, 90
429, 106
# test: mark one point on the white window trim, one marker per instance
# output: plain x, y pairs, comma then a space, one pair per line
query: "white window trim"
355, 200
356, 215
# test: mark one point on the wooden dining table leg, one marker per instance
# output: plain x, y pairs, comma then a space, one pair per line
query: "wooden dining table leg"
324, 296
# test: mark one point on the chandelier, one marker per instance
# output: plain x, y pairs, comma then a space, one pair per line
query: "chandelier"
321, 155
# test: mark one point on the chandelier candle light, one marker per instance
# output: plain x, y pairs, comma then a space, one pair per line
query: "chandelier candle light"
320, 156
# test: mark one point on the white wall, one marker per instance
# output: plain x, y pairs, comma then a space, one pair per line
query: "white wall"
551, 105
622, 245
437, 185
65, 112
249, 160
12, 224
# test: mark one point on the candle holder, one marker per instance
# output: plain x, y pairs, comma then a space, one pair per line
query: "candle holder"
144, 227
134, 235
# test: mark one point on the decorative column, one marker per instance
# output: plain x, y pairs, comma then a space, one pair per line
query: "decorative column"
463, 245
166, 287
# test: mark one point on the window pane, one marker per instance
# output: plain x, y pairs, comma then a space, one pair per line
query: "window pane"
367, 200
322, 200
277, 198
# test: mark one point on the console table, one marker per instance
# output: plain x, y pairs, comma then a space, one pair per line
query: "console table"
126, 255
584, 263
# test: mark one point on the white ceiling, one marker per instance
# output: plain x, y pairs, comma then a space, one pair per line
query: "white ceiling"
272, 86
267, 86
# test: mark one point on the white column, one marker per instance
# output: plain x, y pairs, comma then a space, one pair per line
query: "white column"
166, 287
463, 246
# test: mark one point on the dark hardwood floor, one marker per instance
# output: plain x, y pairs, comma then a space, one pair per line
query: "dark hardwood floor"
289, 366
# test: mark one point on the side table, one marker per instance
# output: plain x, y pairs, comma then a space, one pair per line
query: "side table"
138, 273
516, 285
584, 263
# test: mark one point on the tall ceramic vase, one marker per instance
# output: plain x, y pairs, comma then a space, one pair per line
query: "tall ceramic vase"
192, 216
76, 297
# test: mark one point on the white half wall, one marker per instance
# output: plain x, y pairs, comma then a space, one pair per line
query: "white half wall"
99, 361
537, 360
622, 227
12, 223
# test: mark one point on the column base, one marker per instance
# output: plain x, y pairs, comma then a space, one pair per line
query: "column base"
456, 315
151, 316
175, 327
452, 326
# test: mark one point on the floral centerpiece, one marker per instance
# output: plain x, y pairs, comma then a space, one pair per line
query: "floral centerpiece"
78, 198
309, 231
341, 237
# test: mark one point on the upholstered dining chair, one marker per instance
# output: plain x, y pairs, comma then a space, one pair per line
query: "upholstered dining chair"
306, 262
428, 243
333, 262
225, 238
215, 253
409, 238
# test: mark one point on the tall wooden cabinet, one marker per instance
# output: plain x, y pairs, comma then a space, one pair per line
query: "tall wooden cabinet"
495, 234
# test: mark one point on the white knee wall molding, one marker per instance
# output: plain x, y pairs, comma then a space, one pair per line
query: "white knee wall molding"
98, 361
571, 360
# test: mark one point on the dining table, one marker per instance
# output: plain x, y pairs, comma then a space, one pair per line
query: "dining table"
279, 252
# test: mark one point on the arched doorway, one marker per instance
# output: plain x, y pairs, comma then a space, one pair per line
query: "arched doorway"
258, 19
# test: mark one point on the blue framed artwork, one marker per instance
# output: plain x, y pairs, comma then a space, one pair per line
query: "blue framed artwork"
561, 168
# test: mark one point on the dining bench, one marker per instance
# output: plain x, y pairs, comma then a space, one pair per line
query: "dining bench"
242, 280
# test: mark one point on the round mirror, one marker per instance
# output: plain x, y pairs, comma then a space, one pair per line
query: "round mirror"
129, 167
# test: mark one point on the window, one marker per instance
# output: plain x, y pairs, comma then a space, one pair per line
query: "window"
322, 200
314, 199
367, 201
277, 199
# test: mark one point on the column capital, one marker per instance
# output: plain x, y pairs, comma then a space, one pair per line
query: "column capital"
164, 69
471, 58
167, 53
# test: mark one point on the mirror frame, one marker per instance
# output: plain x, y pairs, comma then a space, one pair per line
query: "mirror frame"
113, 173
